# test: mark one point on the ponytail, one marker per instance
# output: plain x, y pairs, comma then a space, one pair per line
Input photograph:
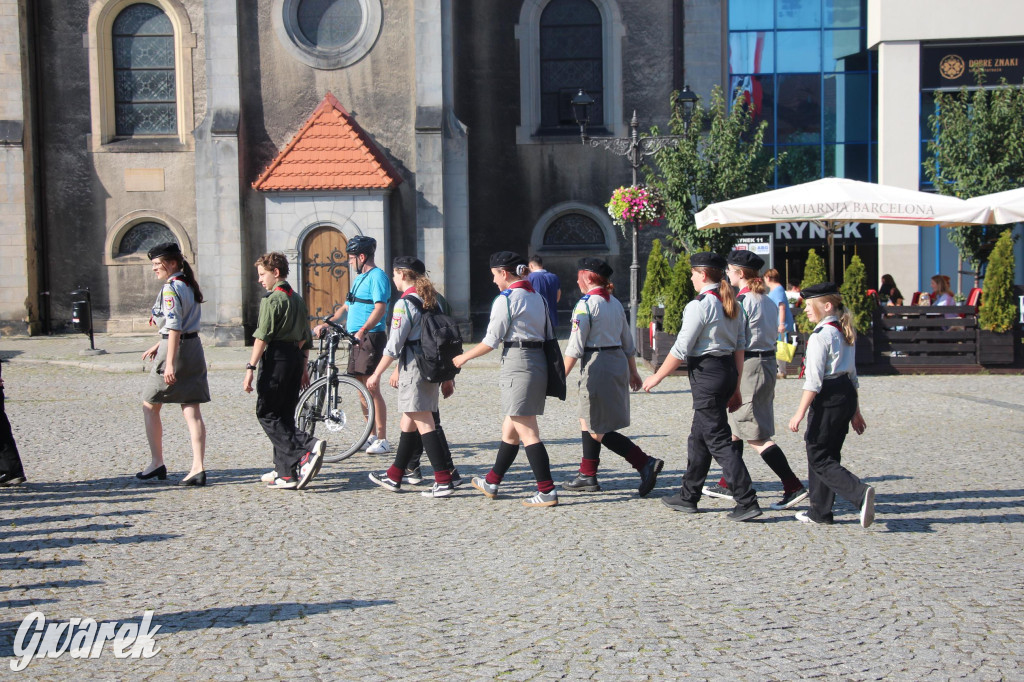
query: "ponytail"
730, 306
190, 280
753, 280
843, 315
596, 280
424, 287
522, 270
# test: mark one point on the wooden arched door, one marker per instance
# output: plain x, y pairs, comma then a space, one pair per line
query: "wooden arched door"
324, 271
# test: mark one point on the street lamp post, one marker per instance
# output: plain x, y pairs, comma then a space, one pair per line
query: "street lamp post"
634, 148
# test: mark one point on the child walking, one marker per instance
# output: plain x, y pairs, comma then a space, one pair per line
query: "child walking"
830, 403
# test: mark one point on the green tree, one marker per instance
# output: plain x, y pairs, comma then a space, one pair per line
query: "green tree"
656, 282
855, 295
814, 273
977, 147
680, 292
726, 162
998, 309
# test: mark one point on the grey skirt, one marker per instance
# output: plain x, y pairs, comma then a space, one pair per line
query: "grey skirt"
190, 387
604, 391
755, 420
523, 381
414, 394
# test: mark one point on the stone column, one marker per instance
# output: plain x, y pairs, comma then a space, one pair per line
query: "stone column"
442, 210
218, 191
18, 285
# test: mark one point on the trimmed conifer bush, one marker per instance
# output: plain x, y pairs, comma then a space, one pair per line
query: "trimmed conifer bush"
680, 292
814, 273
855, 296
656, 281
998, 309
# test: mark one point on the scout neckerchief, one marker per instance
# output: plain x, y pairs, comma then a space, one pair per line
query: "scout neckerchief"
599, 291
521, 284
284, 288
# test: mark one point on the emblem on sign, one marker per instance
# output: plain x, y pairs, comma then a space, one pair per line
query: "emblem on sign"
951, 67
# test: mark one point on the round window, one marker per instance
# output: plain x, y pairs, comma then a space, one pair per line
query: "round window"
328, 34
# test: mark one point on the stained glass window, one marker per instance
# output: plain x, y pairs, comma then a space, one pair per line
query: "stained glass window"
330, 24
574, 230
142, 237
570, 58
145, 99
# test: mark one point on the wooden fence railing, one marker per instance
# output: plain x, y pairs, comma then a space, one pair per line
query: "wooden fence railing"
922, 335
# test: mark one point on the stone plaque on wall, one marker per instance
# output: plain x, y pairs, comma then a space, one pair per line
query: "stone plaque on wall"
144, 179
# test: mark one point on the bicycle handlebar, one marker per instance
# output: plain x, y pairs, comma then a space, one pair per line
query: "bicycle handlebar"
339, 329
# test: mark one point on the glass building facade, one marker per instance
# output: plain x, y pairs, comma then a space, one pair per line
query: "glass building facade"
805, 66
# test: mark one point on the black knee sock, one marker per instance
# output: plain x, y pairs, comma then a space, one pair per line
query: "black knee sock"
445, 449
506, 455
435, 453
625, 448
417, 452
591, 454
541, 465
777, 462
406, 448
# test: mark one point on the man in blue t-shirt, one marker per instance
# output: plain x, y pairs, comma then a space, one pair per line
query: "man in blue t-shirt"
367, 303
777, 293
547, 285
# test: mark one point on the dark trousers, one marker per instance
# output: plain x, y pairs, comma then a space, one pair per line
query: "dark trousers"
712, 382
828, 422
277, 387
10, 460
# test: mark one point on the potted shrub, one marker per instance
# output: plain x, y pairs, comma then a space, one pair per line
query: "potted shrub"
861, 306
998, 310
814, 273
678, 293
652, 295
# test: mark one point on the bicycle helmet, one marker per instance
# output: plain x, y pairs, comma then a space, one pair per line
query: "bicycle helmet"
361, 244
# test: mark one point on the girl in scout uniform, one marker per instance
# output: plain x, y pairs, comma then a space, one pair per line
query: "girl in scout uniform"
830, 403
711, 341
519, 324
179, 371
603, 343
417, 398
754, 421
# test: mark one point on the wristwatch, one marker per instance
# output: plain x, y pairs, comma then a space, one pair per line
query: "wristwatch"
251, 366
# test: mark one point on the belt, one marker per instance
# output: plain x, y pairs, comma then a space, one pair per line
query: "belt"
186, 335
523, 344
758, 353
591, 349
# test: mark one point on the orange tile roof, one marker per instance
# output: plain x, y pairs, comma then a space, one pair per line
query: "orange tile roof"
330, 152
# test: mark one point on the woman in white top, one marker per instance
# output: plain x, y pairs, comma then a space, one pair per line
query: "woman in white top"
519, 324
602, 341
417, 397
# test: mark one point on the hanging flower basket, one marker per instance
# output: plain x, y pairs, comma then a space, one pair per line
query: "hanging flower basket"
638, 205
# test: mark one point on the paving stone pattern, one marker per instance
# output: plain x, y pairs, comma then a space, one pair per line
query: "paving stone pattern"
348, 581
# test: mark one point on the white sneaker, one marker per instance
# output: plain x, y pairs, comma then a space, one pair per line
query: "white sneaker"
380, 447
370, 442
269, 477
867, 508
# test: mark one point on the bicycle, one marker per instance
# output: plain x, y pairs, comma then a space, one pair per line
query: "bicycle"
336, 407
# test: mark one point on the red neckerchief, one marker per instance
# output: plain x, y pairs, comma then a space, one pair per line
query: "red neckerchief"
741, 292
410, 290
713, 292
833, 323
522, 284
600, 291
285, 288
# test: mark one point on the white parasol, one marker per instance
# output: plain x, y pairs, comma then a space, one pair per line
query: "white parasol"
1007, 207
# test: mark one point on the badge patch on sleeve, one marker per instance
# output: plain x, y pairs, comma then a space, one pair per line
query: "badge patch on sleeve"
169, 302
575, 324
396, 320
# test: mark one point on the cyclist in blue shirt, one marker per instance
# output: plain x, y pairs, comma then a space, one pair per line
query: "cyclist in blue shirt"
366, 306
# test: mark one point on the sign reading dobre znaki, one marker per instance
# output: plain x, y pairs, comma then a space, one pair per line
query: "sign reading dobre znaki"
951, 66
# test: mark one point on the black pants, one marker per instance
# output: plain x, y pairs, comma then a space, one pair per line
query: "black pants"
278, 393
828, 422
712, 382
10, 460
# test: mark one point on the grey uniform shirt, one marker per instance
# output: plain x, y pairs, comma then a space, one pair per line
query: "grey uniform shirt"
706, 330
176, 308
762, 315
599, 323
828, 356
516, 315
405, 326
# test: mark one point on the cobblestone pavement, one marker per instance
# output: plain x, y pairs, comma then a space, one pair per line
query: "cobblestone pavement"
347, 581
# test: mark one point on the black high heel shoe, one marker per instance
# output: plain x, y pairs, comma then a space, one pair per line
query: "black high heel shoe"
160, 472
197, 479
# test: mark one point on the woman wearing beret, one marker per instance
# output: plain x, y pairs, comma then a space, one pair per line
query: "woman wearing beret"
417, 397
179, 370
602, 342
711, 340
829, 401
519, 324
754, 420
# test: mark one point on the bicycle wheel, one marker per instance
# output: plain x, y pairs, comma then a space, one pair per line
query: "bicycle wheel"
332, 409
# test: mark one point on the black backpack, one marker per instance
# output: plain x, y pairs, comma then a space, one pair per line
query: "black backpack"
440, 341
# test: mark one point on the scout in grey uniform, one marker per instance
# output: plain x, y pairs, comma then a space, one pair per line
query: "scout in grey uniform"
179, 370
417, 397
754, 421
711, 340
830, 402
519, 324
603, 343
